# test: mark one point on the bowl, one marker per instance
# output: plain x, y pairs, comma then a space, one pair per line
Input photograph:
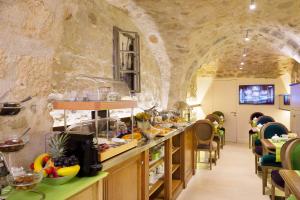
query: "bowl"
58, 180
25, 181
11, 145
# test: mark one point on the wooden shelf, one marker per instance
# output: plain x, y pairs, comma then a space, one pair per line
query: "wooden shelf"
155, 163
175, 167
175, 149
175, 184
155, 186
94, 105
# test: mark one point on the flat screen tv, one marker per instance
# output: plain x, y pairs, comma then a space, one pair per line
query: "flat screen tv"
257, 94
286, 99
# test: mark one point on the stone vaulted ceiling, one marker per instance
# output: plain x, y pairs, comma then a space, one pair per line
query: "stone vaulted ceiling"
213, 31
208, 36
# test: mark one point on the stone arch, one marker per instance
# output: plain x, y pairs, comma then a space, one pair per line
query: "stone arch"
154, 40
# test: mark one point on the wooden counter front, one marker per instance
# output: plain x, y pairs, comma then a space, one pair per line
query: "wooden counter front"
129, 179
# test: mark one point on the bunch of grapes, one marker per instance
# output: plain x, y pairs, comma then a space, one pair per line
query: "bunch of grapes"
65, 161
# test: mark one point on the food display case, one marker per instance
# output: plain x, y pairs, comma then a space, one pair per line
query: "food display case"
96, 94
105, 129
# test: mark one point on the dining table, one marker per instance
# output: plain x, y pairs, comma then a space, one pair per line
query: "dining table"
292, 182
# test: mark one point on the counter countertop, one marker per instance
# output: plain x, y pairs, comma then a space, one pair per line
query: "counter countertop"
140, 148
59, 192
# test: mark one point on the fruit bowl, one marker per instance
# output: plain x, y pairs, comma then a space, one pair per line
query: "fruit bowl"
25, 181
58, 180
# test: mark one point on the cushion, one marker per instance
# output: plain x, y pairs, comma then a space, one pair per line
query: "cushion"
264, 119
270, 160
206, 146
223, 129
295, 154
251, 132
273, 129
257, 142
278, 180
258, 150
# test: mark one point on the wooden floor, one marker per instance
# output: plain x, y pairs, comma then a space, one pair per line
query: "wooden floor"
232, 179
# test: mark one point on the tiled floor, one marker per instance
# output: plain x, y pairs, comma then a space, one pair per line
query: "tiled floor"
232, 179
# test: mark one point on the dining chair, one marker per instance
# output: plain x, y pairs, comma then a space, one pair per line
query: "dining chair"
293, 155
219, 113
251, 132
217, 137
268, 161
276, 179
203, 140
257, 147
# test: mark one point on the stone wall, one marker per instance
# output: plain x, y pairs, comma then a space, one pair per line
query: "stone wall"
43, 44
295, 75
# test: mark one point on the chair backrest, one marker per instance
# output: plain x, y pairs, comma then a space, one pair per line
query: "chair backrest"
212, 118
256, 114
203, 131
219, 113
264, 119
272, 128
283, 151
293, 155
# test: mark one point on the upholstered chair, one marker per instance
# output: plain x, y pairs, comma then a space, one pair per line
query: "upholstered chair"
292, 155
276, 179
257, 148
219, 113
203, 139
217, 137
268, 161
251, 132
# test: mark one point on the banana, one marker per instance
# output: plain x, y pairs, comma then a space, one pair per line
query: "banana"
38, 163
68, 171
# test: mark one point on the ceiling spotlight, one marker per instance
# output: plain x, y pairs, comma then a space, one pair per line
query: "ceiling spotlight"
252, 5
247, 36
241, 68
242, 63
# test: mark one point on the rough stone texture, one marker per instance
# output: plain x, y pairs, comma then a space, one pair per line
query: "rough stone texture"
43, 44
295, 75
198, 33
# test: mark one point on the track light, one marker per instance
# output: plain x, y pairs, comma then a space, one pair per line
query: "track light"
252, 5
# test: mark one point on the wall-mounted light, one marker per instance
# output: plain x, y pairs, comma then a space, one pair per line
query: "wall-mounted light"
252, 5
247, 36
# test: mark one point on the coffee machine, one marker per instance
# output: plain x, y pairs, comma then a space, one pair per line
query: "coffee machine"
83, 146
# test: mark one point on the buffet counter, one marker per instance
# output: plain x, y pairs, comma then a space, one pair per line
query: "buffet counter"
126, 176
130, 172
